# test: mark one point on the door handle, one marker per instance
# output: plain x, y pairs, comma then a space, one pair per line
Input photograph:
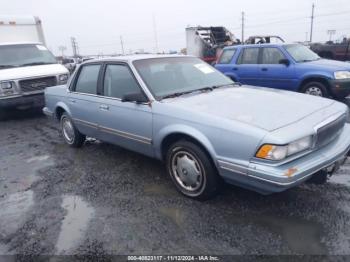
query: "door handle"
72, 100
104, 107
264, 69
235, 68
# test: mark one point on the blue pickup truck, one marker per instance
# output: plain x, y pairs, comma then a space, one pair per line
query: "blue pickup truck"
292, 67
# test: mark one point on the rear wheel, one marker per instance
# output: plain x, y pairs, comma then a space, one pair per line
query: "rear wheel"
69, 133
192, 170
315, 89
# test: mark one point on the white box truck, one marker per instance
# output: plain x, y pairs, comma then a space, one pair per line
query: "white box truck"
27, 67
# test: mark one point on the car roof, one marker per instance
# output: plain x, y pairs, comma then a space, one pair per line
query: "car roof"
21, 43
260, 45
131, 58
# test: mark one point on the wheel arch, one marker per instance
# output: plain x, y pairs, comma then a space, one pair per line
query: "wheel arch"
170, 135
314, 78
60, 109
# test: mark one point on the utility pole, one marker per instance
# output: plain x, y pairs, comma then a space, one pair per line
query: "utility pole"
306, 36
62, 48
122, 44
312, 21
242, 27
155, 33
74, 46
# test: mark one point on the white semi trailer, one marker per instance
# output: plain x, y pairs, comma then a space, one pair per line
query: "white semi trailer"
27, 67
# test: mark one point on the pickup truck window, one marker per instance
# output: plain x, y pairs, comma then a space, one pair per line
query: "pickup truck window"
226, 56
271, 55
249, 56
119, 81
87, 79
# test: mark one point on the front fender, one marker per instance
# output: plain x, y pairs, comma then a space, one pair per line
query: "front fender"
62, 105
185, 130
309, 75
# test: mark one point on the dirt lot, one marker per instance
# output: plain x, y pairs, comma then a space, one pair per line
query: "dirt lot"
102, 199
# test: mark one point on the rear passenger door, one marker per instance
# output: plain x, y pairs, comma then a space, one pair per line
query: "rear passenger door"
82, 100
246, 67
127, 124
273, 73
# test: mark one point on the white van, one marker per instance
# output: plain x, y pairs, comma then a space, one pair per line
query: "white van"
27, 67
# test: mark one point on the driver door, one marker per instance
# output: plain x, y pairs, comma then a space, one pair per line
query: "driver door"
127, 124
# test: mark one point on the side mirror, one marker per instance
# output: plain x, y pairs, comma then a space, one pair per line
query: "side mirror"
135, 97
284, 61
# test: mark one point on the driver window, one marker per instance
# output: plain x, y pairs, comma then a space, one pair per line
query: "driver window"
119, 81
271, 55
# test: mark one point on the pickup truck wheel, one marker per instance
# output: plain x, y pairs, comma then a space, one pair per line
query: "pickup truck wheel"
70, 134
315, 89
192, 170
318, 178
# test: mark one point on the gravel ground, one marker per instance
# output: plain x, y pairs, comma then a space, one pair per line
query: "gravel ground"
102, 199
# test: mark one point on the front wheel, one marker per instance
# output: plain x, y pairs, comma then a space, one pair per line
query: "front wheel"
70, 134
315, 89
192, 170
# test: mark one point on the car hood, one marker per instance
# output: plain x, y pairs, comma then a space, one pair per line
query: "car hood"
268, 109
32, 71
330, 64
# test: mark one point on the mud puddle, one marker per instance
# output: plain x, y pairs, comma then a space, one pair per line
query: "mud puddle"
75, 223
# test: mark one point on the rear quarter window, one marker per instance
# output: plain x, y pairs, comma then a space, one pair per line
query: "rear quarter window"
226, 56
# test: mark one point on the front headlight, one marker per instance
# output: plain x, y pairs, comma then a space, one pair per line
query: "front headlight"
63, 78
6, 85
342, 74
276, 152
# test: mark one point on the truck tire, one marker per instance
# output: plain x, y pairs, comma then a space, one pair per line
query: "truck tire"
192, 170
315, 88
70, 134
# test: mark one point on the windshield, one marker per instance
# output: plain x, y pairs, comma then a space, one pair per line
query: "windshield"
25, 55
301, 53
174, 75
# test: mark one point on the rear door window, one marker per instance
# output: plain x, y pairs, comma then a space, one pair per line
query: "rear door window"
87, 79
249, 56
226, 56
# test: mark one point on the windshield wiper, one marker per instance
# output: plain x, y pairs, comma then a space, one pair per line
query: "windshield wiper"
232, 84
207, 88
36, 63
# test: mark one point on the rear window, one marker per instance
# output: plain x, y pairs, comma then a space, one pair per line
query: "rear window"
226, 56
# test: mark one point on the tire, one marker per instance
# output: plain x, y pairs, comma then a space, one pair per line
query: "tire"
315, 88
69, 132
198, 178
319, 178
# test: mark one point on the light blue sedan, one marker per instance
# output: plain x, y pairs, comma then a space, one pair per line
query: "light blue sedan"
206, 128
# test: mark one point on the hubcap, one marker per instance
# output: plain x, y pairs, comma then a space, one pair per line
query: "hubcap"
314, 90
187, 171
68, 130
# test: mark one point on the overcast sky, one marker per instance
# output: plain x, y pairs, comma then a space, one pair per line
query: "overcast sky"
98, 24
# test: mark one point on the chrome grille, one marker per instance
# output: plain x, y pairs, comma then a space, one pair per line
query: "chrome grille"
328, 132
37, 84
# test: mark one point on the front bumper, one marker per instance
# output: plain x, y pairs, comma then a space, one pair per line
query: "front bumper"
22, 101
267, 179
340, 88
